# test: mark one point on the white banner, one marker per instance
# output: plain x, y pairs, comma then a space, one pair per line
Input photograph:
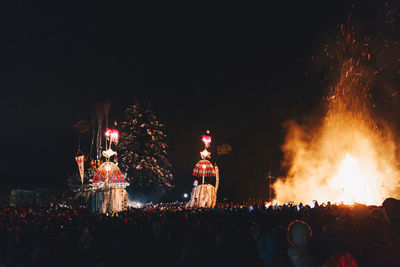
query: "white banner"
80, 160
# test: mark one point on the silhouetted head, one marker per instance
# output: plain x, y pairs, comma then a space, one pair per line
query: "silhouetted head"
298, 233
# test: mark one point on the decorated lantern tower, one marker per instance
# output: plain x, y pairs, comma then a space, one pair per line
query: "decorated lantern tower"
204, 195
109, 183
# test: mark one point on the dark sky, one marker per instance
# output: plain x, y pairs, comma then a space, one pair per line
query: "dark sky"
236, 68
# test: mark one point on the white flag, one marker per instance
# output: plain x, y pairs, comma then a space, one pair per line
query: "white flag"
80, 161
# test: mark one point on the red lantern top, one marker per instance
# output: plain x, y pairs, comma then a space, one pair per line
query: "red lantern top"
113, 135
206, 140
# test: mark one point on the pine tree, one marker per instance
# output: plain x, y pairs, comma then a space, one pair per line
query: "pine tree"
143, 151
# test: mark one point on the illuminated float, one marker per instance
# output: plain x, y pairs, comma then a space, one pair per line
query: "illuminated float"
204, 195
108, 182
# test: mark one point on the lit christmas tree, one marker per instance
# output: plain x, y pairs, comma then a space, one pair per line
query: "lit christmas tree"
143, 151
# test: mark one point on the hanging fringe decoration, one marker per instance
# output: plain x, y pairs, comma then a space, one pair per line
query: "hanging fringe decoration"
204, 168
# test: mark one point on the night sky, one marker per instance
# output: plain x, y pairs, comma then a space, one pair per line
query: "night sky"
240, 70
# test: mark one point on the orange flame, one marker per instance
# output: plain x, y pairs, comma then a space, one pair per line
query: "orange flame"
345, 158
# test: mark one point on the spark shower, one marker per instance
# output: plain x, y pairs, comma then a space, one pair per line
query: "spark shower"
346, 157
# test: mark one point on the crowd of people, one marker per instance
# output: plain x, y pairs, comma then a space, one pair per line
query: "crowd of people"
227, 235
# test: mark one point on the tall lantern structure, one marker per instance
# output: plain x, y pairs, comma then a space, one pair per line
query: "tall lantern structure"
204, 195
109, 183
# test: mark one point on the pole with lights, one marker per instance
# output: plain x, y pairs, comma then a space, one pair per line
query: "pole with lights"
269, 178
205, 154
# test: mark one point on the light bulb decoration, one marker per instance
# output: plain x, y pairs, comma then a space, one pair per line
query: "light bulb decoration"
112, 136
205, 154
109, 153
